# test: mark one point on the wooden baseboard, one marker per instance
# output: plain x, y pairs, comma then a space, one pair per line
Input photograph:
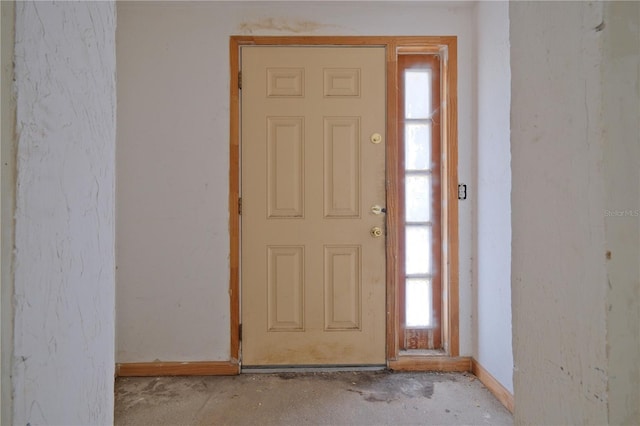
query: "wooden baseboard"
199, 368
495, 387
403, 363
431, 363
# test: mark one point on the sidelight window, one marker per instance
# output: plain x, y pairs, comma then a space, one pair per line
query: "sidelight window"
420, 206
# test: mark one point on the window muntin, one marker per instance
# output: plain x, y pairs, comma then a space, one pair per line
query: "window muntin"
419, 101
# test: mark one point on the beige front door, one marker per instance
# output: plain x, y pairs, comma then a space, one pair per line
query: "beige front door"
313, 166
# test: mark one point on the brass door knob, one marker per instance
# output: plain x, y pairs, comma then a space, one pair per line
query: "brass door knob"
376, 232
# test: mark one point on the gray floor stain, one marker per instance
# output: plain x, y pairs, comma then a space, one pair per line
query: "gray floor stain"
343, 398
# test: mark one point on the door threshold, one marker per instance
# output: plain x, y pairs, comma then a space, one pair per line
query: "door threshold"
265, 369
431, 363
422, 352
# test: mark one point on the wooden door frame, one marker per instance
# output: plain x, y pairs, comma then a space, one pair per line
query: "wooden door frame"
394, 46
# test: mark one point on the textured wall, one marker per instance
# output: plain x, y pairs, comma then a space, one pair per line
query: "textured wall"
7, 156
621, 72
173, 139
64, 253
492, 195
559, 282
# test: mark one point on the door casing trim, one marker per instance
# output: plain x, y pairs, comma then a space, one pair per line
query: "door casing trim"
394, 46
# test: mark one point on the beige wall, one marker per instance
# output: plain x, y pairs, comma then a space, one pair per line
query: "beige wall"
558, 248
172, 157
575, 161
7, 202
621, 162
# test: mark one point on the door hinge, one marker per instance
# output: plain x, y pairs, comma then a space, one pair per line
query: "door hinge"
240, 332
240, 80
240, 205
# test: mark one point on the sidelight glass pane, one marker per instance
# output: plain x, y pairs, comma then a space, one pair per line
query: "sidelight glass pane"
417, 250
417, 93
417, 146
418, 198
418, 302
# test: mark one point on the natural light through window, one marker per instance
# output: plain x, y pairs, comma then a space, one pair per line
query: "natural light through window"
418, 197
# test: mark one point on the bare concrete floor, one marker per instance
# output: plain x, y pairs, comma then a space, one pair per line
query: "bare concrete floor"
341, 398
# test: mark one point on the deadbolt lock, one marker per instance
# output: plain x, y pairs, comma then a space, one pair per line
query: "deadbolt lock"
376, 232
